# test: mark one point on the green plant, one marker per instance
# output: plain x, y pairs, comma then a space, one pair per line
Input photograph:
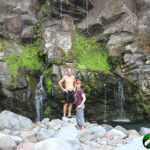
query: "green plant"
88, 54
27, 59
48, 81
47, 111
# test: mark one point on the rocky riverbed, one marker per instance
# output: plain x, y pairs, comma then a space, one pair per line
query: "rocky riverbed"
20, 133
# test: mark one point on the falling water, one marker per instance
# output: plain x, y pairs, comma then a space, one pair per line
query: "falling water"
40, 95
119, 98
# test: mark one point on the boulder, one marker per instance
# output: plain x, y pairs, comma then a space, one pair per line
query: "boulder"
45, 134
55, 144
6, 143
16, 17
13, 121
144, 130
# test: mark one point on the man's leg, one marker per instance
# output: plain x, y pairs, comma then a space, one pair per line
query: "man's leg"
64, 109
69, 110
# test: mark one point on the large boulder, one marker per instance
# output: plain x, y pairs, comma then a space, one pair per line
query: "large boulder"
16, 16
55, 39
55, 144
118, 16
6, 143
10, 120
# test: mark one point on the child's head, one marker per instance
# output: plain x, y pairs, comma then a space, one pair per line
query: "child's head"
78, 83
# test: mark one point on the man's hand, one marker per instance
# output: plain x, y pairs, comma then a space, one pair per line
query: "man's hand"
64, 90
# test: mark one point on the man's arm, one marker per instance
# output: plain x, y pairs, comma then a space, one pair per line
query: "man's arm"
60, 83
83, 101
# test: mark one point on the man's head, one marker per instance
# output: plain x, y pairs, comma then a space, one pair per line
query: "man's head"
69, 71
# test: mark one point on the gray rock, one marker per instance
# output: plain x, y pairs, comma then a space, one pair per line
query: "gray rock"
121, 129
115, 43
107, 127
144, 130
10, 120
45, 134
7, 143
68, 132
55, 144
98, 131
135, 144
17, 15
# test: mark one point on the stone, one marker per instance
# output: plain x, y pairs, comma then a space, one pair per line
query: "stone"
118, 133
98, 131
117, 17
10, 120
136, 144
6, 143
55, 144
144, 130
28, 136
54, 40
107, 127
118, 127
45, 120
25, 146
67, 132
133, 133
109, 135
45, 134
16, 16
115, 44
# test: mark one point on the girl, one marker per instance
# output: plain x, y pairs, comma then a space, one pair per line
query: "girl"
80, 100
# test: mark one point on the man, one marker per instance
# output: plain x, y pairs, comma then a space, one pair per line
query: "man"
69, 89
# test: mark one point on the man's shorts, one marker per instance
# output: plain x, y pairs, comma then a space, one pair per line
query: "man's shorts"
69, 97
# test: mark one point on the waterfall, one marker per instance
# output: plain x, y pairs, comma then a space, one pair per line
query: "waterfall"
40, 95
120, 99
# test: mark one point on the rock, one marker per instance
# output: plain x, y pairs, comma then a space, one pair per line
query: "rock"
98, 131
25, 146
67, 132
133, 134
7, 143
13, 121
45, 120
118, 133
65, 119
144, 130
121, 129
136, 144
28, 136
5, 76
45, 134
116, 42
54, 40
16, 17
117, 17
109, 135
16, 139
107, 127
55, 144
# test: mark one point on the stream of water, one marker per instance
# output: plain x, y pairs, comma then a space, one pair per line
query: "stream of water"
40, 96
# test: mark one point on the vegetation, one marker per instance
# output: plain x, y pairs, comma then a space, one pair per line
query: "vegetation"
87, 54
29, 58
47, 112
3, 44
48, 81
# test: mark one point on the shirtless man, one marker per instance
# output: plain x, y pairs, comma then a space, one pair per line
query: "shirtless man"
69, 89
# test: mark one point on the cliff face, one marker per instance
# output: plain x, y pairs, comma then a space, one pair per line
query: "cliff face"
124, 27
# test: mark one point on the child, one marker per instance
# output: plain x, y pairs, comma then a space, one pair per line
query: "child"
80, 100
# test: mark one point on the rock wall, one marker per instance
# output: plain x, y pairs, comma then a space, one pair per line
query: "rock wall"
123, 24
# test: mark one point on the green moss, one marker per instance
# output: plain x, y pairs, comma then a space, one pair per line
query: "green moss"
28, 59
47, 112
48, 81
3, 44
89, 54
